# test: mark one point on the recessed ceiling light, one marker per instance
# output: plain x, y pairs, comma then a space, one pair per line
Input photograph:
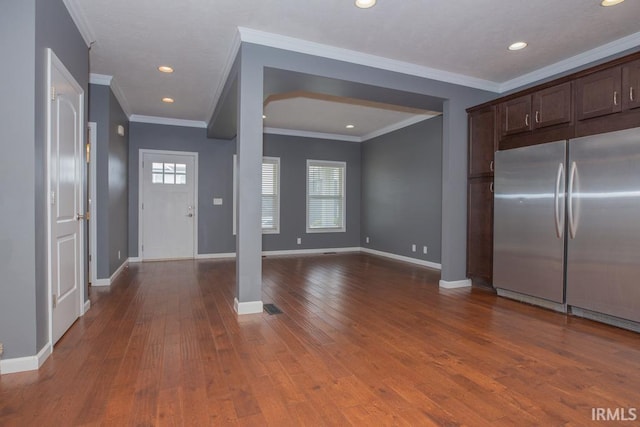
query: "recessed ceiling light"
610, 2
350, 126
518, 45
168, 100
365, 4
165, 69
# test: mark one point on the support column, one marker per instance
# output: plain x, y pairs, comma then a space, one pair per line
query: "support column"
249, 149
454, 197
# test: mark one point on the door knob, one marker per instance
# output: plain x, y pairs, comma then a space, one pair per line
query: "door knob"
189, 214
79, 217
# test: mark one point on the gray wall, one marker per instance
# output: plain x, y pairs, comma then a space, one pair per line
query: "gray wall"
111, 154
27, 28
293, 153
402, 191
17, 202
455, 98
215, 179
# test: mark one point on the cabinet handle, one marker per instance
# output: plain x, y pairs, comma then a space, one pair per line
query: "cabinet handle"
537, 116
491, 187
615, 97
526, 120
631, 93
491, 166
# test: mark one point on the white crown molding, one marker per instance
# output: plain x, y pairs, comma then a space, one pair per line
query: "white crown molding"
138, 118
231, 57
100, 79
308, 134
106, 80
601, 52
396, 126
122, 99
81, 21
248, 35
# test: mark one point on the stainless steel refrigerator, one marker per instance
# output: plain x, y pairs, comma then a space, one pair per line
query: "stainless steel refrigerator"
567, 225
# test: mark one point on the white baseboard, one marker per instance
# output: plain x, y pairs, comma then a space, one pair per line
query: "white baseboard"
466, 283
421, 262
134, 259
86, 307
318, 251
22, 364
109, 281
249, 307
216, 256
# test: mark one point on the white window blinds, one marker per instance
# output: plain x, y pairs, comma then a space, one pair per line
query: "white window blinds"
270, 194
270, 219
325, 196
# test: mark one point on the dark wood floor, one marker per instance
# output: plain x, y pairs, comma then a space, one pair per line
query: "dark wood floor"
361, 341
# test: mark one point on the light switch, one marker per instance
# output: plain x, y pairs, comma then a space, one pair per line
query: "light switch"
217, 201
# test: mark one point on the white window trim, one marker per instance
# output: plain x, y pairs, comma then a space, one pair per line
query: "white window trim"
275, 230
328, 163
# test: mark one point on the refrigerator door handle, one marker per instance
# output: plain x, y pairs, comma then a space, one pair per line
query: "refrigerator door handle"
559, 219
572, 222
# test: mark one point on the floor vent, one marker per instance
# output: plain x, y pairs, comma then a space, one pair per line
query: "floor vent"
272, 309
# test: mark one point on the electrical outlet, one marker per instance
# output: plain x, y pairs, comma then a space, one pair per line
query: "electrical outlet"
424, 249
366, 240
1, 349
413, 247
118, 254
299, 241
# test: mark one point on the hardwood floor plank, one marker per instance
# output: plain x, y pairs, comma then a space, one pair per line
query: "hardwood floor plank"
362, 340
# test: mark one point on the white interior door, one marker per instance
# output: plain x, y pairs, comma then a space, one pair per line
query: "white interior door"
168, 209
65, 162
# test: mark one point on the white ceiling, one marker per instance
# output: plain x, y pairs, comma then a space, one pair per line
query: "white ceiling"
461, 41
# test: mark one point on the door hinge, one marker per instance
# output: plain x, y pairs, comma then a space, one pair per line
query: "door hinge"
90, 257
52, 197
54, 300
53, 93
143, 206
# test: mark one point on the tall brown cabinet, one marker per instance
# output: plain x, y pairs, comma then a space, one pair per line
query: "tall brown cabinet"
482, 145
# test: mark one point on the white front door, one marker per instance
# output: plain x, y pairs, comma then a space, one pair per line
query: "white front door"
65, 162
168, 209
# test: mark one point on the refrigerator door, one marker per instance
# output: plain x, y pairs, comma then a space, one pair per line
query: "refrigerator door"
529, 202
603, 249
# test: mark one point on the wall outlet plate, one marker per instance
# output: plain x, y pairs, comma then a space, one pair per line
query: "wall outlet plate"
299, 241
413, 247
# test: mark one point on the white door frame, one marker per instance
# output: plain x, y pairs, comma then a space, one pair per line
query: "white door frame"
93, 207
52, 59
141, 154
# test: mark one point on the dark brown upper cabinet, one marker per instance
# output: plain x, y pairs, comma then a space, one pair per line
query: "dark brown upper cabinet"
515, 115
631, 85
552, 106
599, 94
541, 109
482, 141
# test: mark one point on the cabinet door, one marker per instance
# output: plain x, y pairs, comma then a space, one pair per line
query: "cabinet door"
631, 85
482, 136
480, 230
552, 106
599, 94
516, 115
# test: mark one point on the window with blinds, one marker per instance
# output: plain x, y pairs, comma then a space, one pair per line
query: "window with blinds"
270, 194
325, 196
